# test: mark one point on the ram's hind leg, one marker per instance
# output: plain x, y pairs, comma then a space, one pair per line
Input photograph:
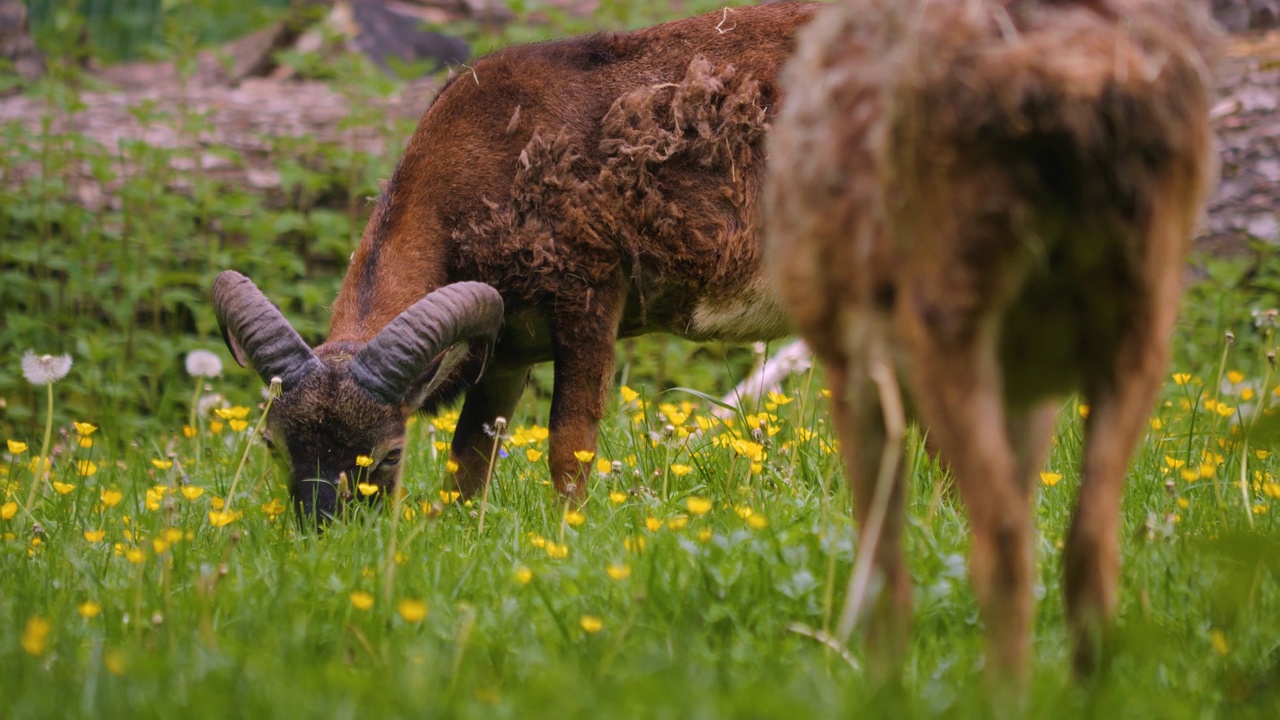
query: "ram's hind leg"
959, 397
1117, 418
495, 396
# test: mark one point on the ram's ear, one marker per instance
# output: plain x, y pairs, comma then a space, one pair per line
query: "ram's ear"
233, 346
421, 349
447, 368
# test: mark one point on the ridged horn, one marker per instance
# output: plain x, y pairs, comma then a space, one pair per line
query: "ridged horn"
396, 357
255, 330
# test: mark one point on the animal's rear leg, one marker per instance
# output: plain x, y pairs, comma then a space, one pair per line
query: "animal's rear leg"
493, 397
959, 396
1117, 417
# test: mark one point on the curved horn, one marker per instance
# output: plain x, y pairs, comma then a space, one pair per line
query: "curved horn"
395, 358
254, 328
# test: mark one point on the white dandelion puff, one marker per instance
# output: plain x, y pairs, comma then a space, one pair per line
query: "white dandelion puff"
45, 369
209, 402
202, 363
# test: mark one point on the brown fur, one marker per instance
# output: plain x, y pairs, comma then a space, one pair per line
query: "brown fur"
606, 186
995, 198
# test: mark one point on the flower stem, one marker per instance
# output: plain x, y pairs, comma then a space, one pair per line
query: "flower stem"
244, 456
42, 462
191, 420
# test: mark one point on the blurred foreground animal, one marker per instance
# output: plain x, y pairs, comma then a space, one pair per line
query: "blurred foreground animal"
607, 186
990, 202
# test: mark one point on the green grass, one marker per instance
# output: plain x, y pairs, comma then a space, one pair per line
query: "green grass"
256, 618
252, 618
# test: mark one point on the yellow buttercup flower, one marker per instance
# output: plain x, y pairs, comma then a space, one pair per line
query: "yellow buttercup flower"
617, 497
412, 610
574, 518
221, 518
603, 466
191, 492
1225, 410
86, 468
95, 536
1050, 478
63, 488
8, 510
361, 600
367, 489
1235, 377
533, 455
35, 636
652, 523
448, 496
698, 506
1181, 378
680, 470
161, 463
557, 551
1218, 641
16, 447
677, 523
84, 429
619, 571
273, 508
364, 460
584, 455
238, 425
524, 575
757, 522
111, 498
591, 623
628, 394
88, 609
232, 413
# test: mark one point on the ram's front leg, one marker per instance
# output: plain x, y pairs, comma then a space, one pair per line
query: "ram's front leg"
493, 397
583, 351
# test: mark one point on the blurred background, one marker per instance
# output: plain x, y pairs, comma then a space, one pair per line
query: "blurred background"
150, 144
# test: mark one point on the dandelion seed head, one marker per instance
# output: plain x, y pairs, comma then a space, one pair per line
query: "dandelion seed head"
44, 369
202, 363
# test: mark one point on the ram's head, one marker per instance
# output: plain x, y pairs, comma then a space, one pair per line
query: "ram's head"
340, 418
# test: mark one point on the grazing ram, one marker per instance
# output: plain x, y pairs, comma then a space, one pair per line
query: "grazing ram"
606, 186
991, 201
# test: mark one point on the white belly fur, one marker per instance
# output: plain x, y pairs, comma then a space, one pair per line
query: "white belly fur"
754, 312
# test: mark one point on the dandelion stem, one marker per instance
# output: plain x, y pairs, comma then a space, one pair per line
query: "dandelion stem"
1244, 480
191, 420
248, 444
500, 426
42, 463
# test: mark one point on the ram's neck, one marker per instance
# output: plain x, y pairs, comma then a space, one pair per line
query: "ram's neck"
402, 256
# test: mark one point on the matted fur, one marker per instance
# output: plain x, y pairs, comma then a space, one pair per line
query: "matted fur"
606, 186
993, 201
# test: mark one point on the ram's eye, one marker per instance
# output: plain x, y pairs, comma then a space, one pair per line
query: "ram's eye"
267, 439
391, 459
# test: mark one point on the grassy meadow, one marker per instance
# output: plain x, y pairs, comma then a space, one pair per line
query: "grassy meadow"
158, 572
